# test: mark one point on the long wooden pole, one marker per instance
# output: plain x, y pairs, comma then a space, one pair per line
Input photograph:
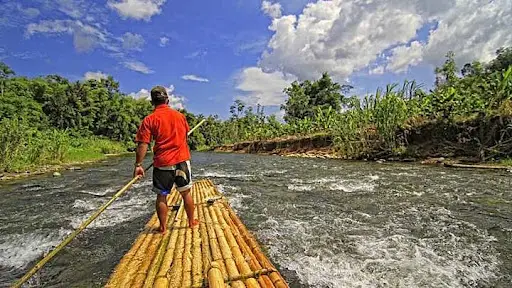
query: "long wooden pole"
71, 236
68, 239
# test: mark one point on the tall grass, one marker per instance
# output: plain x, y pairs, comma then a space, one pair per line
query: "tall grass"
23, 147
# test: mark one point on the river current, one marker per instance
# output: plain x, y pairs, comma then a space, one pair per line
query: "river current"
323, 223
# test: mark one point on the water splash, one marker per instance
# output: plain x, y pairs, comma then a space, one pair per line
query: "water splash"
17, 250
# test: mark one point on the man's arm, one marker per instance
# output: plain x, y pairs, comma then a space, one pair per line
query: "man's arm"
142, 149
143, 138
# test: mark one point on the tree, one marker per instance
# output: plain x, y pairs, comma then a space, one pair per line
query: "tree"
502, 61
307, 97
5, 73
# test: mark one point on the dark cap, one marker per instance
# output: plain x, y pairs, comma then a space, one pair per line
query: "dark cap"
158, 94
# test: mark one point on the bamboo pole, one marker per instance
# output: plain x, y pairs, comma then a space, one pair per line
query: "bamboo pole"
162, 279
123, 263
147, 271
175, 274
197, 261
144, 255
275, 277
264, 280
205, 244
72, 236
235, 250
214, 245
215, 279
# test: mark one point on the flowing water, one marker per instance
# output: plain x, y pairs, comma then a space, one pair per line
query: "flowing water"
324, 223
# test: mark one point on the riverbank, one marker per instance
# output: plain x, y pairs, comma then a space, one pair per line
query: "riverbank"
86, 160
436, 143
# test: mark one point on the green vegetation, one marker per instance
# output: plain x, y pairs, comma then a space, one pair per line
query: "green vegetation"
52, 120
472, 109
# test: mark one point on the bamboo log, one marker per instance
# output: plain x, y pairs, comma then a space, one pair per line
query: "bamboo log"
161, 279
214, 245
264, 280
235, 250
145, 258
205, 244
176, 273
215, 279
197, 261
151, 272
275, 277
125, 260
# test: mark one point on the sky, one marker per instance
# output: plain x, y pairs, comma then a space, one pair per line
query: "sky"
209, 53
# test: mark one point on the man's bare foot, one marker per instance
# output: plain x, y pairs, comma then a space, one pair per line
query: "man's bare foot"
162, 230
193, 223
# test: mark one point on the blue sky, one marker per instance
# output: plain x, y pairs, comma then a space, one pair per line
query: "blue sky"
212, 52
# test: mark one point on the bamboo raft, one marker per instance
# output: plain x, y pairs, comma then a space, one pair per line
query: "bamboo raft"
219, 252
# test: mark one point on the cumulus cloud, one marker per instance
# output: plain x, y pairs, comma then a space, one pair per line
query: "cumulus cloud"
379, 70
272, 10
196, 78
474, 30
346, 36
95, 75
175, 101
132, 41
137, 9
137, 66
164, 41
263, 88
404, 56
85, 37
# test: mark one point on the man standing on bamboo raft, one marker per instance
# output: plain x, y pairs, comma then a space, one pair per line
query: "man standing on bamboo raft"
171, 160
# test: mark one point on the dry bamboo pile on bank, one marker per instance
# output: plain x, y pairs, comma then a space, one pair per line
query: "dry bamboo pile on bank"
219, 252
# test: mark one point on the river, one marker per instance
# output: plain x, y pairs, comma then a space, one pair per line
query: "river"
324, 223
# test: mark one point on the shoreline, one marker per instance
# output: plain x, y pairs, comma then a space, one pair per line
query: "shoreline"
45, 169
328, 152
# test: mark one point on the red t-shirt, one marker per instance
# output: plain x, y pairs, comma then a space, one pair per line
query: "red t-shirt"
168, 128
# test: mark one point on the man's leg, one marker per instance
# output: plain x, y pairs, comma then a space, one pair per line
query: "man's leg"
162, 184
189, 207
183, 185
161, 211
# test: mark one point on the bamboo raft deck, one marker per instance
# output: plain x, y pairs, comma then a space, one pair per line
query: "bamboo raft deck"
219, 252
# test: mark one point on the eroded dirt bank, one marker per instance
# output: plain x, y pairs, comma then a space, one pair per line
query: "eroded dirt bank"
479, 140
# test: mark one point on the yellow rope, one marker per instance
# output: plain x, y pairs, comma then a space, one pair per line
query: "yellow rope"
68, 239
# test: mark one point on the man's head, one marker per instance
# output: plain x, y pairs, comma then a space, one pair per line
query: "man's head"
159, 95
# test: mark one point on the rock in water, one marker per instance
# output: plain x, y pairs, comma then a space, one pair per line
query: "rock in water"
56, 174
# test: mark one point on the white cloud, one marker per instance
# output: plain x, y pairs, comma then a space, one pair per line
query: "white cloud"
403, 56
196, 54
194, 78
85, 37
379, 70
346, 36
272, 10
142, 94
137, 9
95, 75
164, 41
263, 88
175, 101
137, 66
72, 8
474, 30
132, 41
